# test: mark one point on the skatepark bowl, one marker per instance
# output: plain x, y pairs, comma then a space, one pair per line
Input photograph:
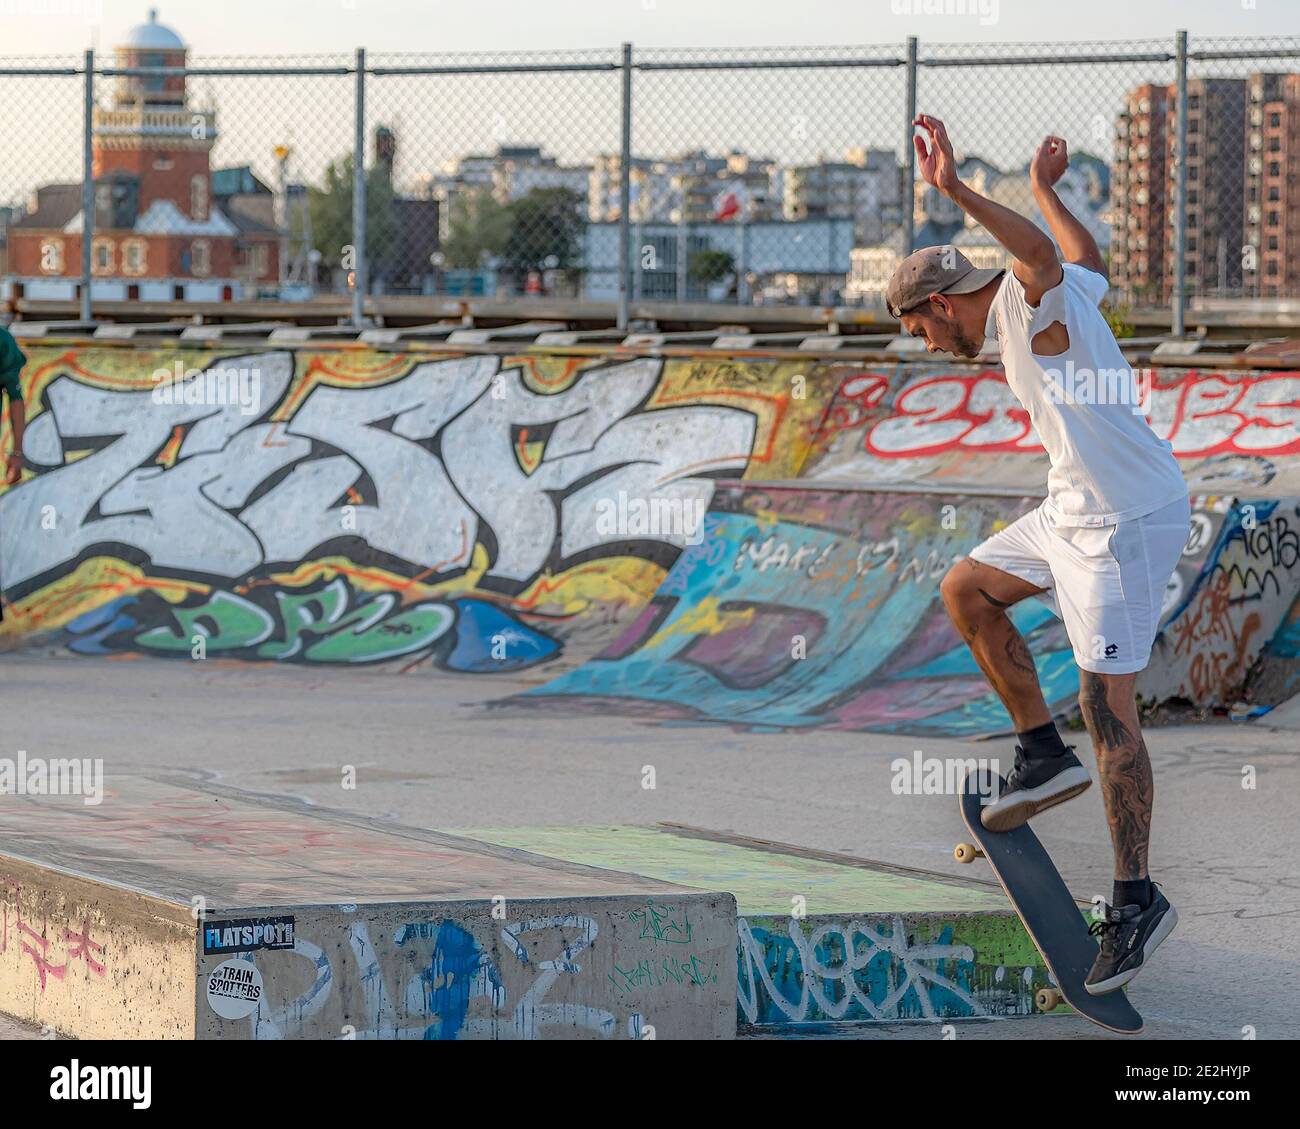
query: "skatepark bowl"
741, 543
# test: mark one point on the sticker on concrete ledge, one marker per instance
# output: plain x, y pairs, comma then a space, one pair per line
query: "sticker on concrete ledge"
234, 989
247, 934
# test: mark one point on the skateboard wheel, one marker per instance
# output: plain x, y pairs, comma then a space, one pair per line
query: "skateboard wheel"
1047, 999
967, 852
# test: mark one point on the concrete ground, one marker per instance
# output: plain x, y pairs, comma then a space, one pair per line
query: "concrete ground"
430, 751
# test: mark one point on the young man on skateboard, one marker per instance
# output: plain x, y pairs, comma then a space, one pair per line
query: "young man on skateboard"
1099, 550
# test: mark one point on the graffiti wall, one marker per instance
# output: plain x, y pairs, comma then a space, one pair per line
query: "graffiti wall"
483, 513
1233, 432
604, 968
522, 514
820, 608
856, 969
1228, 636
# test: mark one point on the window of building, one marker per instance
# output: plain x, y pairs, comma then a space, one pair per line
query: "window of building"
199, 197
134, 256
101, 256
154, 82
51, 256
200, 257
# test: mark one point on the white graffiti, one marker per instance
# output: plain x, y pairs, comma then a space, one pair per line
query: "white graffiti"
411, 1020
531, 1013
832, 991
454, 447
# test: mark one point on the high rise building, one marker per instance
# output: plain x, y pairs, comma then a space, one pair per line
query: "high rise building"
1216, 155
1271, 257
1138, 189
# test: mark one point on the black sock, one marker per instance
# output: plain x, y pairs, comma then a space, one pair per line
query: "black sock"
1044, 741
1136, 893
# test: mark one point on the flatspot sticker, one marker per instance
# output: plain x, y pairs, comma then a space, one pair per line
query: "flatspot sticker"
234, 989
246, 934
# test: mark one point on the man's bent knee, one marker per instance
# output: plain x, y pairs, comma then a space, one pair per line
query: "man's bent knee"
960, 593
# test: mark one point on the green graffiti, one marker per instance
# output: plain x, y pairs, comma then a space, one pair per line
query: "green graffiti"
227, 622
318, 626
410, 630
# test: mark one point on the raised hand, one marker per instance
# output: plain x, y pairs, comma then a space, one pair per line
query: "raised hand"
1050, 161
937, 163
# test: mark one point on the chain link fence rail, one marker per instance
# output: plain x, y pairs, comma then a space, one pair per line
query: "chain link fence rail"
732, 177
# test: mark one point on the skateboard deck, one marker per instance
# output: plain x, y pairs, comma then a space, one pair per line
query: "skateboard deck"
1053, 919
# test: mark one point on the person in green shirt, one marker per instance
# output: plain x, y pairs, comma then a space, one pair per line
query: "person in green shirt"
11, 366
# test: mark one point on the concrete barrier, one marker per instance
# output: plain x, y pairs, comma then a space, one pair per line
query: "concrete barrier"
827, 938
185, 911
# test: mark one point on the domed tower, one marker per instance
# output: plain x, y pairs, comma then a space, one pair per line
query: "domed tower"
150, 134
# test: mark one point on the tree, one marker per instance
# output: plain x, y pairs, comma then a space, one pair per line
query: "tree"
710, 265
477, 227
330, 208
545, 232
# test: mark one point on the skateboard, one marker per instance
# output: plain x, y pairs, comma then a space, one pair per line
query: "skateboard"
1053, 919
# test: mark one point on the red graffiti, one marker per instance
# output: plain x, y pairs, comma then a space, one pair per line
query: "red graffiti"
944, 413
1201, 414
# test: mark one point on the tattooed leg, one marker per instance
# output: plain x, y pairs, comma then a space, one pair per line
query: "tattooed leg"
1109, 705
977, 597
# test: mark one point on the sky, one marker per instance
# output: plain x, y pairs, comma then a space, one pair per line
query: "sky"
229, 27
792, 116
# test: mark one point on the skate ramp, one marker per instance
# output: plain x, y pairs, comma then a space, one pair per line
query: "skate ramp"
485, 512
820, 608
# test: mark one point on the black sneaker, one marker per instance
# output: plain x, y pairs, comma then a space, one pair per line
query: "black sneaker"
1035, 783
1129, 934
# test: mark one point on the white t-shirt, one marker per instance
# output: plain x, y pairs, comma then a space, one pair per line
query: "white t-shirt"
1107, 464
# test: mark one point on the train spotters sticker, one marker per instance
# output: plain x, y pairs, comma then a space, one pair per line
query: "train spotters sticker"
234, 989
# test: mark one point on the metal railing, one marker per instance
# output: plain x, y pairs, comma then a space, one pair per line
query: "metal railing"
735, 177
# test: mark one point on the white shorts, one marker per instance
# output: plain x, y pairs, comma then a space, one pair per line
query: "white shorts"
1107, 583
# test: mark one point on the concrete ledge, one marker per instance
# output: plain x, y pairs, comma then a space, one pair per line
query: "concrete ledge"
175, 910
829, 938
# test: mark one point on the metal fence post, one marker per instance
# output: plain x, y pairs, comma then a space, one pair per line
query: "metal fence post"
625, 193
359, 194
909, 150
1179, 325
87, 184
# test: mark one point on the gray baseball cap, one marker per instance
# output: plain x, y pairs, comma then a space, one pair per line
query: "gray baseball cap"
934, 270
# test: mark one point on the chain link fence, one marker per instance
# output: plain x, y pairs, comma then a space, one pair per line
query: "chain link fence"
732, 177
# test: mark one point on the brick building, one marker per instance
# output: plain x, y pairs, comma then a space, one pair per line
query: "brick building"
1138, 187
159, 233
1243, 209
1272, 229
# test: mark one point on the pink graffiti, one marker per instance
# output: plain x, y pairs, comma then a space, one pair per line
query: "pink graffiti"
77, 944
